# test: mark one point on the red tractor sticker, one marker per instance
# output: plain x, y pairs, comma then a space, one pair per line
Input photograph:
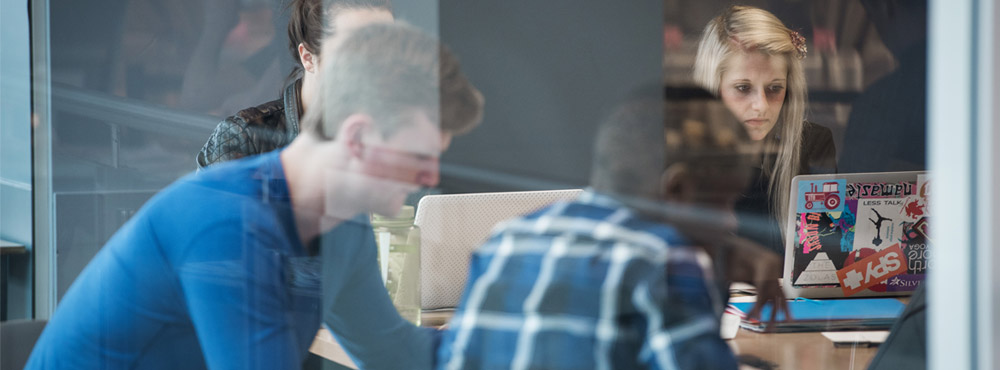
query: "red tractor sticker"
821, 196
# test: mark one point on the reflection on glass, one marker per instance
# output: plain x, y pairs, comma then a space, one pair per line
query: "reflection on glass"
139, 88
602, 274
866, 78
886, 129
753, 62
274, 124
220, 269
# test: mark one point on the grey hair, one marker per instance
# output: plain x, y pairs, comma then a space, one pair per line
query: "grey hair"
387, 71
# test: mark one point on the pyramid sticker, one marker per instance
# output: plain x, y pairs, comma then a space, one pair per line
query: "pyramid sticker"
820, 271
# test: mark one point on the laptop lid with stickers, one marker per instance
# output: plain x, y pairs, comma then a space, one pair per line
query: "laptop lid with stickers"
856, 235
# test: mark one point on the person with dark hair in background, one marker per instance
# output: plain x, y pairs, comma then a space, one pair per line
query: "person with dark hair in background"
274, 124
617, 278
218, 269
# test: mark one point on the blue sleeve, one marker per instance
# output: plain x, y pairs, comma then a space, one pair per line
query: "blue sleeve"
357, 307
682, 329
233, 286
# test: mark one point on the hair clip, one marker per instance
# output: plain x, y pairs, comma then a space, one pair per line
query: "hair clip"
800, 44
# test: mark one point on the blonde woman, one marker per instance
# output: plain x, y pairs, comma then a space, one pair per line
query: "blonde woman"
752, 61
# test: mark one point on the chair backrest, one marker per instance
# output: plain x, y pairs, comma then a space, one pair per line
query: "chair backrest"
17, 338
453, 225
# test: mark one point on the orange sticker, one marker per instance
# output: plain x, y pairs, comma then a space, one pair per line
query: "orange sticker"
872, 270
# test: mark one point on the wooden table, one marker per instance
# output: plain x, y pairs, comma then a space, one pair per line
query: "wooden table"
805, 351
798, 351
326, 346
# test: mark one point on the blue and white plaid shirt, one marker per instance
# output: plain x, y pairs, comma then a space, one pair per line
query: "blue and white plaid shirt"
586, 285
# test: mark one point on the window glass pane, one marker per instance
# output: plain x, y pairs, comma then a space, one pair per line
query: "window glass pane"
672, 133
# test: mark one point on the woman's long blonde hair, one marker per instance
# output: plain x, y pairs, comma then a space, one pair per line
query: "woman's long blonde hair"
744, 29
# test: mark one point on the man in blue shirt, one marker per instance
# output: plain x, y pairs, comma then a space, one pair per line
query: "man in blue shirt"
600, 282
216, 271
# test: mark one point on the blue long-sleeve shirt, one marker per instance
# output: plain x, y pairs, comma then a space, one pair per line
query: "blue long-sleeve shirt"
210, 273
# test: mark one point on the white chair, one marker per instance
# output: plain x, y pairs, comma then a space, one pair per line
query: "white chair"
453, 225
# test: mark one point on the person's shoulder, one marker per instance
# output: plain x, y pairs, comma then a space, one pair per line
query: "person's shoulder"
250, 131
615, 221
668, 236
812, 130
819, 151
236, 173
817, 140
222, 200
668, 233
219, 182
267, 114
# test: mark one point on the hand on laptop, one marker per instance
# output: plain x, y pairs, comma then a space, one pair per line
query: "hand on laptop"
753, 264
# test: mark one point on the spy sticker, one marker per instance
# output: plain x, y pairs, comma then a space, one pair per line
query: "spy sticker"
822, 196
872, 270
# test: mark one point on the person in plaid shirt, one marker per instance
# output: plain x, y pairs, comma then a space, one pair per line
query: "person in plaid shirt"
602, 282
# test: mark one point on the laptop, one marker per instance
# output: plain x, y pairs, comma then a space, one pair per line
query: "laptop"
452, 226
856, 235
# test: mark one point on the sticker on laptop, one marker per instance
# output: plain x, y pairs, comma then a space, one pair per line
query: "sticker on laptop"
820, 247
879, 223
861, 190
923, 186
822, 196
921, 228
904, 282
924, 191
867, 268
820, 271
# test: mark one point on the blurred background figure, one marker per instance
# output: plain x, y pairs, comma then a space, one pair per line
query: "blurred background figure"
274, 124
886, 130
237, 55
752, 61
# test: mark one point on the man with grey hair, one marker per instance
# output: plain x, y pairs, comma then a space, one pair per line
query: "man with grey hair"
219, 270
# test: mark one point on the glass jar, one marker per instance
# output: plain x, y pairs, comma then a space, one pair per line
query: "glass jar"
398, 243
